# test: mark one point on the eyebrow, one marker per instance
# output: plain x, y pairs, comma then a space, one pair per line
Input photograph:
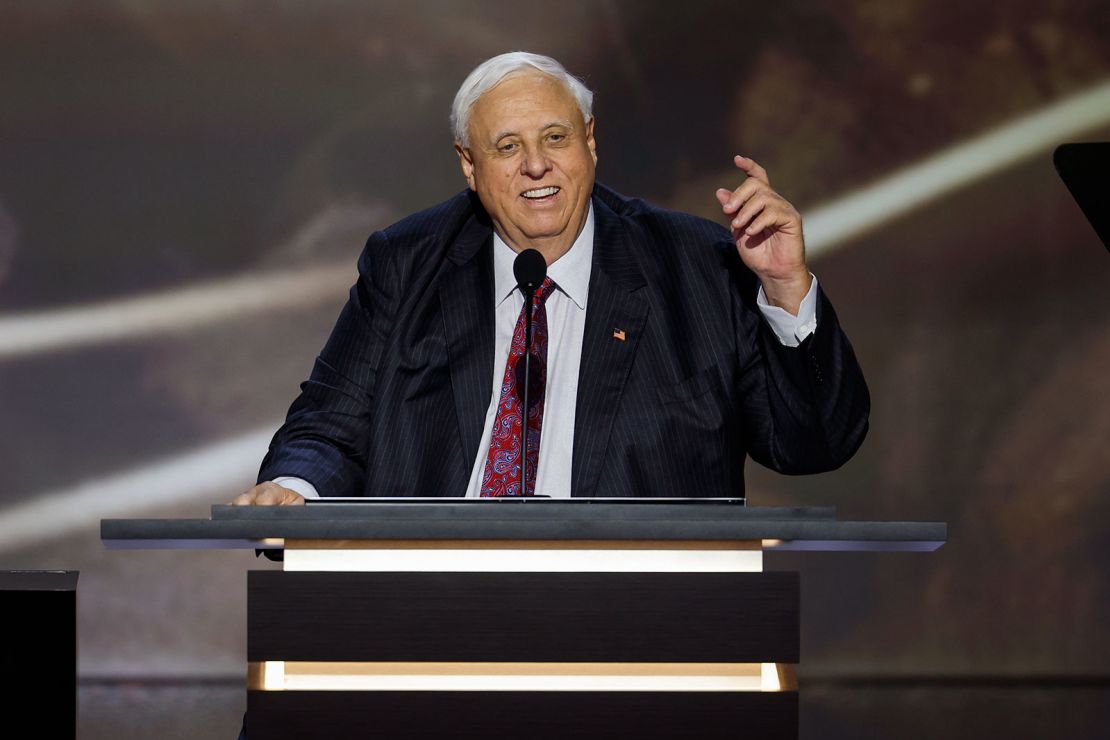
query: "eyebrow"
562, 124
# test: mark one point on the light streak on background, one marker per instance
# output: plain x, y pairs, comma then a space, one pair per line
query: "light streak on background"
203, 473
173, 310
827, 227
833, 224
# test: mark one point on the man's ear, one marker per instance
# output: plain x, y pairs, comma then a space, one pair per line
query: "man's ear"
467, 164
590, 138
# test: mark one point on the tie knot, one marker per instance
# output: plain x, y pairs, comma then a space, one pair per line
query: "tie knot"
546, 289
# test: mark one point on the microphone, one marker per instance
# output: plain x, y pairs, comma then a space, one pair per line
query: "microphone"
530, 269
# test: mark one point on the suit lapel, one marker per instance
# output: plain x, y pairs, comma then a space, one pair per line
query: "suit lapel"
466, 300
615, 320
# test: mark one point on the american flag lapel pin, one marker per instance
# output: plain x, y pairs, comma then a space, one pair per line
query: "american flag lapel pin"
618, 334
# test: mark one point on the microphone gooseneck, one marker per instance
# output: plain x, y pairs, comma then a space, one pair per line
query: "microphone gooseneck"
530, 269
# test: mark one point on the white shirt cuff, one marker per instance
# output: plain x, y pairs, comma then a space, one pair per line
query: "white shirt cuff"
299, 485
790, 329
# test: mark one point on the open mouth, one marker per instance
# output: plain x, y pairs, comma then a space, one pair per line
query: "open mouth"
541, 193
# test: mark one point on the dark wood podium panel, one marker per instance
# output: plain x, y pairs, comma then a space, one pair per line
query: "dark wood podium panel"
336, 715
515, 617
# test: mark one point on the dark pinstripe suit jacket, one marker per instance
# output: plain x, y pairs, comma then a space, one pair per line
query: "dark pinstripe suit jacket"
397, 397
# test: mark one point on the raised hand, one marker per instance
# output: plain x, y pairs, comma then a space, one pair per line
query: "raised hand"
768, 235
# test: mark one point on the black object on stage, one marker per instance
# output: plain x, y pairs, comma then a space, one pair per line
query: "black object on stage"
1085, 170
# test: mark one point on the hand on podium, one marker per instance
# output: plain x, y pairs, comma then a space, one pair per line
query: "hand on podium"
268, 494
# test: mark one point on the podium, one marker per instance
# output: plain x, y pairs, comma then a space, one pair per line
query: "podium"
523, 618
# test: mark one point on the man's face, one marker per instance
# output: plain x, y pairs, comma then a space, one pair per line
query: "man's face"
531, 161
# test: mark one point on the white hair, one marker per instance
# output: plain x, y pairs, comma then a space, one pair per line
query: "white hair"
492, 71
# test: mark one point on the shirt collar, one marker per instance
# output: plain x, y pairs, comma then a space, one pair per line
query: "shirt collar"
571, 272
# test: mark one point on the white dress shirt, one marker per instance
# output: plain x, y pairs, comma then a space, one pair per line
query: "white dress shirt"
566, 324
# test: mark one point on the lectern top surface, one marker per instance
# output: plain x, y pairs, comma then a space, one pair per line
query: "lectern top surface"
596, 510
580, 520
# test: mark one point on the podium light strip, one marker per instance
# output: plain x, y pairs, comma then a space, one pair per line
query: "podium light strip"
524, 560
276, 675
519, 544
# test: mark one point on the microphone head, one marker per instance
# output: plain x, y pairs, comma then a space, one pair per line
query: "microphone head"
529, 268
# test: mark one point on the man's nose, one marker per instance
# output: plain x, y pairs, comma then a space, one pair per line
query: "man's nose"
535, 163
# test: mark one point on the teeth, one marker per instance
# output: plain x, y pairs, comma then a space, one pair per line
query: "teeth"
540, 192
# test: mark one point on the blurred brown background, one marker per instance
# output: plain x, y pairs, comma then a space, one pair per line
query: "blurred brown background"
185, 187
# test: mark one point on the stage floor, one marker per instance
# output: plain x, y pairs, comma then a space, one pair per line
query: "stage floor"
830, 710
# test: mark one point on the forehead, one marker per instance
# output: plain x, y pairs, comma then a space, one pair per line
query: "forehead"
523, 99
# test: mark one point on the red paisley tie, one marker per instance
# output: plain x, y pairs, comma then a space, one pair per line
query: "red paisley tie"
502, 474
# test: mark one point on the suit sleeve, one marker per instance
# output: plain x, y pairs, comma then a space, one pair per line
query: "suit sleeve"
325, 435
805, 408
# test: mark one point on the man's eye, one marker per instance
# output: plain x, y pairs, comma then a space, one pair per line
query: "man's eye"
556, 138
507, 148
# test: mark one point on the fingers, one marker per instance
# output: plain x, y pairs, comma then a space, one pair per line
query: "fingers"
751, 168
757, 179
751, 209
765, 210
764, 221
755, 208
735, 200
268, 494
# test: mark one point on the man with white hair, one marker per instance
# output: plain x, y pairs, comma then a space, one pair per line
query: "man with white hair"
668, 348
